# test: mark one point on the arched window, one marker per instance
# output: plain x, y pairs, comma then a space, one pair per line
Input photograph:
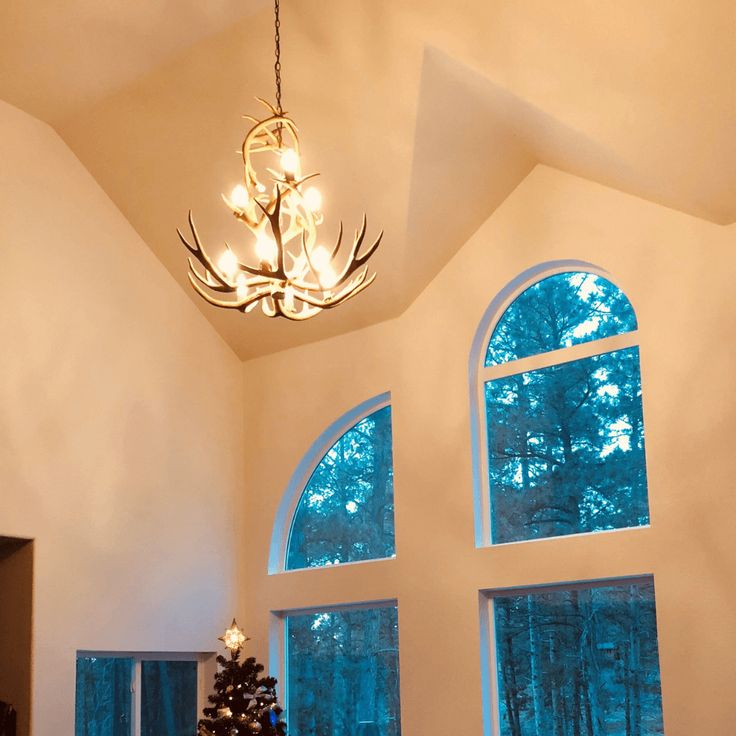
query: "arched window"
346, 510
561, 426
341, 662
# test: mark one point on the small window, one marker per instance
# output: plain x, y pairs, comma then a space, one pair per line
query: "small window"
342, 672
582, 660
114, 693
564, 428
346, 511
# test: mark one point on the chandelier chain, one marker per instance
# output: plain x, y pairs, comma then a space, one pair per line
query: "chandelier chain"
277, 65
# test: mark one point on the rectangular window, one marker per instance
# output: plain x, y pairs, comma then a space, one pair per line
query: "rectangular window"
137, 694
342, 672
566, 449
578, 660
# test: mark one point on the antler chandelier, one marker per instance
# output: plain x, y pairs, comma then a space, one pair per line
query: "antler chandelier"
288, 271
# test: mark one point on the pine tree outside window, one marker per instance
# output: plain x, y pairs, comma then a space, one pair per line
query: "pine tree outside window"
342, 669
575, 659
560, 432
345, 512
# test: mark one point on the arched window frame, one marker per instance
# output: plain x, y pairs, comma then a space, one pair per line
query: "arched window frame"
480, 374
286, 512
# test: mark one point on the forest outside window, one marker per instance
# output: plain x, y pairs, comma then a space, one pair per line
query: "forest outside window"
346, 510
136, 695
564, 430
342, 672
581, 660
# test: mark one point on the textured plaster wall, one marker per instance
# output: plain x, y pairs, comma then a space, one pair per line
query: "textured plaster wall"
678, 272
120, 427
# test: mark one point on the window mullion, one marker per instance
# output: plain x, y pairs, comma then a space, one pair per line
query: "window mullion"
137, 693
556, 357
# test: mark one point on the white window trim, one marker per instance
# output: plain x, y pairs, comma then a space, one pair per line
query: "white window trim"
292, 495
491, 703
206, 669
480, 374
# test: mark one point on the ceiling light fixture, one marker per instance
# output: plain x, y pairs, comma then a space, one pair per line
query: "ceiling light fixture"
294, 276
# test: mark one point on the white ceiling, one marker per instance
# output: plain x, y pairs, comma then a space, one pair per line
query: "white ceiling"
424, 113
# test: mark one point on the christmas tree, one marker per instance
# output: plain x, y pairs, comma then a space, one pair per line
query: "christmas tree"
244, 702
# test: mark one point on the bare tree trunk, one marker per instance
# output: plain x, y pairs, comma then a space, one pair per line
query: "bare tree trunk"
557, 713
510, 681
534, 665
634, 662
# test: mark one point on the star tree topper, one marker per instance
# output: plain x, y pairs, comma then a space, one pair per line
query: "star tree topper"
234, 638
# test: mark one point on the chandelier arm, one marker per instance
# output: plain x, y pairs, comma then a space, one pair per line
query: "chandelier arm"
354, 292
337, 298
274, 141
355, 261
268, 309
205, 279
300, 315
198, 251
338, 243
240, 304
334, 302
206, 282
273, 218
260, 272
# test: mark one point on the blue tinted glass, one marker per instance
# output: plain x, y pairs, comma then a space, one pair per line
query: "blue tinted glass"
581, 661
566, 449
346, 512
557, 312
104, 700
343, 673
168, 698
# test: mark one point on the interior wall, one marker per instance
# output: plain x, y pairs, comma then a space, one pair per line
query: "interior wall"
16, 610
678, 272
121, 428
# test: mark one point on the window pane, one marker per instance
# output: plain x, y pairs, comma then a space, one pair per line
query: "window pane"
168, 698
579, 661
557, 312
103, 701
346, 512
343, 673
566, 449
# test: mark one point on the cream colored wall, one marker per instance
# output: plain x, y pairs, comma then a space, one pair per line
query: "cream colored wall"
120, 426
678, 272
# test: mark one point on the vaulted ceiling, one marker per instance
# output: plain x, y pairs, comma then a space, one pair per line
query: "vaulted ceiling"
424, 113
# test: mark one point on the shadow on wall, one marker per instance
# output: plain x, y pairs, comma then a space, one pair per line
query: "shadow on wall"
16, 609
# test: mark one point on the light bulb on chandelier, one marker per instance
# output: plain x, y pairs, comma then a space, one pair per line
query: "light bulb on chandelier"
228, 263
240, 197
291, 275
266, 249
313, 199
290, 162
